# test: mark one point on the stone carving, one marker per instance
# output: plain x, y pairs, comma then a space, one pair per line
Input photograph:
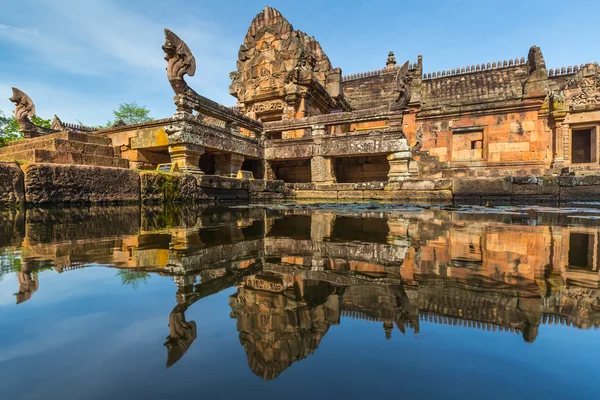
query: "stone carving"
267, 106
419, 141
583, 90
181, 335
24, 110
180, 61
403, 89
57, 124
277, 62
391, 60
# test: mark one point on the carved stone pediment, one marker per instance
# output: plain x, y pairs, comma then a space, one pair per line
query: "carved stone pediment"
276, 62
582, 91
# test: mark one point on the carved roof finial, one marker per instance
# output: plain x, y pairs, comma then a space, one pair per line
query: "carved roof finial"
391, 60
57, 124
180, 61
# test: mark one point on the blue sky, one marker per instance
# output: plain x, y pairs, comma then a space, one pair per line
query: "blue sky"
80, 59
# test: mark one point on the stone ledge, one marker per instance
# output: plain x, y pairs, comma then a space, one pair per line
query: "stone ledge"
484, 186
60, 183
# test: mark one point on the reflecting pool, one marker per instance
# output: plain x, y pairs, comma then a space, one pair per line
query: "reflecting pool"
300, 301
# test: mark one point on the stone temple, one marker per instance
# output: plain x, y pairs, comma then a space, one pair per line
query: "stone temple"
506, 130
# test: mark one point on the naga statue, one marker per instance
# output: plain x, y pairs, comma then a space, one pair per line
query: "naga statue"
403, 88
180, 61
24, 110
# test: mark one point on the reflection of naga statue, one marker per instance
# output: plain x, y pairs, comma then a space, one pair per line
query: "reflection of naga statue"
181, 335
403, 88
24, 110
28, 285
180, 61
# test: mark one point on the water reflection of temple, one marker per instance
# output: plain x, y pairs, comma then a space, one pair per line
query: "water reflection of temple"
298, 272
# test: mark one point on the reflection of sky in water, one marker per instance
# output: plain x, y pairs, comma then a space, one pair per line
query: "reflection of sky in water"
99, 332
85, 335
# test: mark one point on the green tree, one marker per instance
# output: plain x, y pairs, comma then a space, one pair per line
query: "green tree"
9, 127
132, 277
131, 113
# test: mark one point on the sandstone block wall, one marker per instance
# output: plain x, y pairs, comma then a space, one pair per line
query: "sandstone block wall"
60, 183
12, 189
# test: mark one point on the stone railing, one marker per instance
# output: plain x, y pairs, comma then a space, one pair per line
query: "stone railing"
475, 68
571, 69
375, 72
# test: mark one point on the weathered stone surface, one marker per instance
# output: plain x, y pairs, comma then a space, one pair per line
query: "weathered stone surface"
316, 194
423, 195
535, 185
350, 194
377, 194
174, 188
58, 183
12, 189
370, 185
275, 186
487, 186
334, 186
591, 180
467, 200
579, 193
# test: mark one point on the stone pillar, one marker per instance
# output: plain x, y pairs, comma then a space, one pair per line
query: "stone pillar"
566, 136
228, 164
321, 170
402, 166
187, 157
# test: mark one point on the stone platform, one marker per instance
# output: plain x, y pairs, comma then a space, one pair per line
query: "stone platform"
64, 148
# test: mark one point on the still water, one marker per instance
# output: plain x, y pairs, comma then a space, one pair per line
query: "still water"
300, 301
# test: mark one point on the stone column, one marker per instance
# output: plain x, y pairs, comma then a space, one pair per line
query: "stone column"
566, 136
402, 166
187, 157
228, 164
321, 170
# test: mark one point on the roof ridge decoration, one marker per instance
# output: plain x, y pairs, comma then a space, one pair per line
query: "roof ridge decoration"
476, 68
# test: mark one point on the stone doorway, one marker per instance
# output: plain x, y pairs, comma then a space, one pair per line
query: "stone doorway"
362, 169
582, 250
292, 171
583, 146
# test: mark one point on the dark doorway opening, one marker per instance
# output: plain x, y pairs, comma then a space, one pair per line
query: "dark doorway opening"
581, 250
583, 147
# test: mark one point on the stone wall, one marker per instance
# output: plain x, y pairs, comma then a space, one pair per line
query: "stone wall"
81, 184
60, 183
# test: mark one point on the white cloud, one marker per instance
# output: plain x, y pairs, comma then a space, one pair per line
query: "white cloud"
81, 58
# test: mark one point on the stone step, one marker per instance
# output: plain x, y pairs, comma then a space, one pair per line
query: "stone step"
55, 144
68, 135
64, 157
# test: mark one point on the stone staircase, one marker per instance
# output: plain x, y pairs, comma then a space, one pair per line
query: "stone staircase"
65, 148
